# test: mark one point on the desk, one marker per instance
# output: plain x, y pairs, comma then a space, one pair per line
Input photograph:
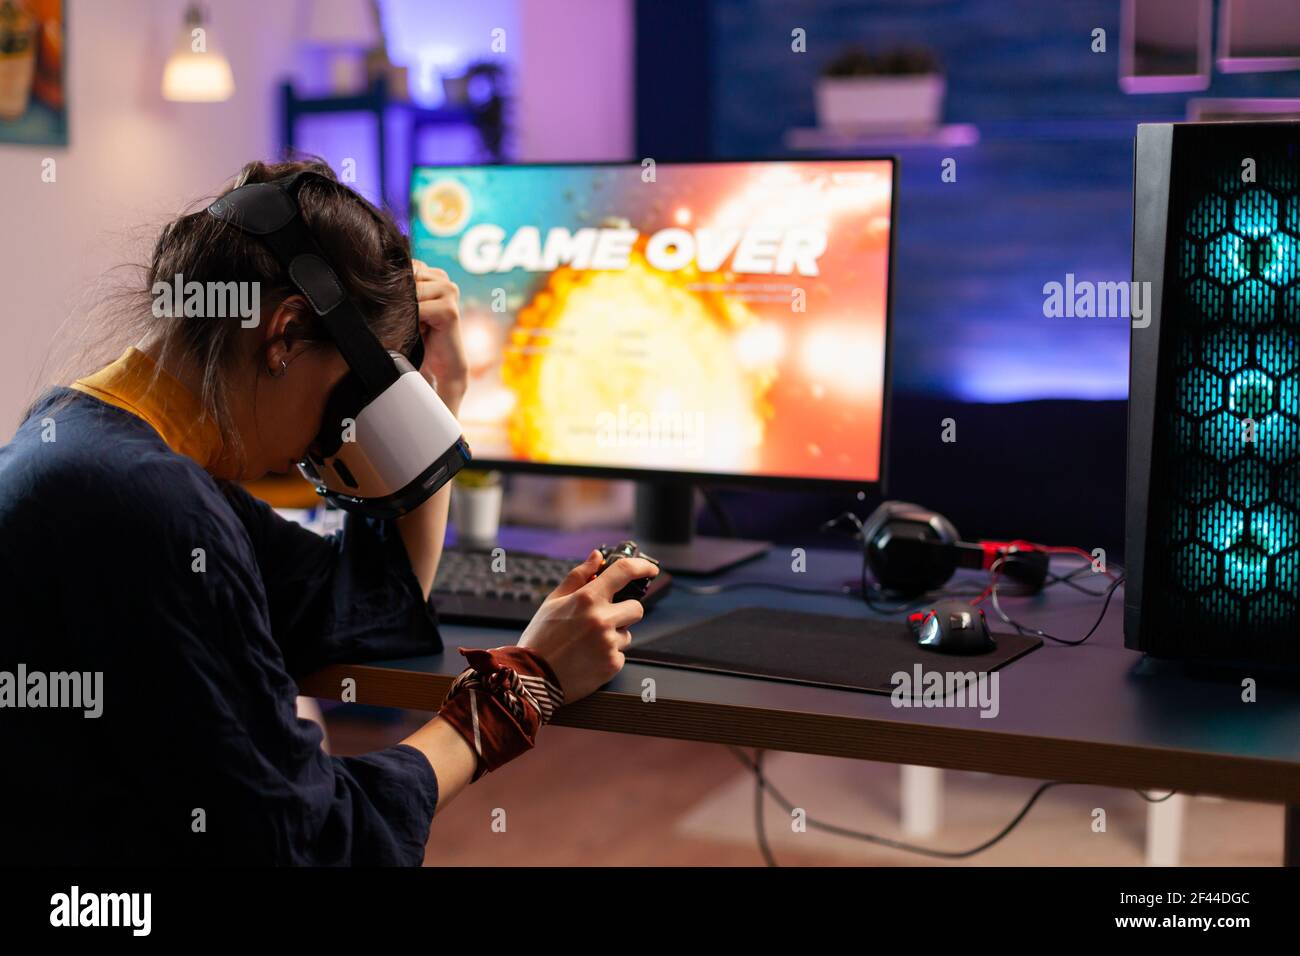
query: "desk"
1097, 713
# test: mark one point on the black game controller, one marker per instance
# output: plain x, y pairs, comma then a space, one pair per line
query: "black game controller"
635, 589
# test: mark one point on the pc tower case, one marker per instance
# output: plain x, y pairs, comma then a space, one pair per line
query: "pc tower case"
1213, 511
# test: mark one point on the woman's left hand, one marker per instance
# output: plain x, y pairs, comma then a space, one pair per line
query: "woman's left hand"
444, 351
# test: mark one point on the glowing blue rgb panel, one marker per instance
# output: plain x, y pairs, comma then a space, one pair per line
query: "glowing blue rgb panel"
1231, 526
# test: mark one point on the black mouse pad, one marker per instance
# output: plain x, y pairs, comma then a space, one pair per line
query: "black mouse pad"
847, 653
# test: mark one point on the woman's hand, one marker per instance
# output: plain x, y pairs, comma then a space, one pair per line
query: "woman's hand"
444, 352
580, 632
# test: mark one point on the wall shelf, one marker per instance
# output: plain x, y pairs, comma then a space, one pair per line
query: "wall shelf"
823, 140
988, 132
376, 102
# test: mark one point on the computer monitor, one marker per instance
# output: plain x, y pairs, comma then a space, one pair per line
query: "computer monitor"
718, 322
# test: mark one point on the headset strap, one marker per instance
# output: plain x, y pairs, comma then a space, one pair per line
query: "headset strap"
270, 211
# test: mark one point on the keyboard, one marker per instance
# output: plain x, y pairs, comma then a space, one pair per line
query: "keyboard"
468, 591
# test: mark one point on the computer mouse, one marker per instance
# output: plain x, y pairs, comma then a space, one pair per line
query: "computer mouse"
953, 626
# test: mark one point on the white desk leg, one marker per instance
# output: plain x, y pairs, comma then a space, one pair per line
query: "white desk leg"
921, 800
1165, 830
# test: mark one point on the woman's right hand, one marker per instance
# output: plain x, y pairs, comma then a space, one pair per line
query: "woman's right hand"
579, 631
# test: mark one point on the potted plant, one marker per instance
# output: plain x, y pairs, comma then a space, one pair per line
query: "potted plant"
476, 507
897, 91
17, 58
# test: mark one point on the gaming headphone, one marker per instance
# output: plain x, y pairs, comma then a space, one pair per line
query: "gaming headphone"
387, 442
911, 550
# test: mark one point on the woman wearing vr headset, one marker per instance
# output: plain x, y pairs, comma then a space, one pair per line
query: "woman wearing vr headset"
136, 572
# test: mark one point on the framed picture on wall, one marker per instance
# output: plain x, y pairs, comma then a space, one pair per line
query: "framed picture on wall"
33, 75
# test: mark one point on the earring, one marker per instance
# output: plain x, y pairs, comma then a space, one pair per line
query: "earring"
283, 367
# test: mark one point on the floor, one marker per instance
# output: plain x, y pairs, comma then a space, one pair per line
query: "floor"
590, 798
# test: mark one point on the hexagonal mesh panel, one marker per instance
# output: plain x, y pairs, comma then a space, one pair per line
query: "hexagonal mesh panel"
1224, 522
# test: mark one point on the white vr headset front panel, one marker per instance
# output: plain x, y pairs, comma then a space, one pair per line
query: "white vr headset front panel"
397, 436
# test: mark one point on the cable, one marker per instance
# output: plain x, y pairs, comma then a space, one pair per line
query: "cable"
844, 517
725, 524
760, 828
850, 522
1068, 579
877, 600
763, 785
1036, 632
1079, 552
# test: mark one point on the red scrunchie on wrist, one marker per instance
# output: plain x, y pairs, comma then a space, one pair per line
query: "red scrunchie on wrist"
500, 702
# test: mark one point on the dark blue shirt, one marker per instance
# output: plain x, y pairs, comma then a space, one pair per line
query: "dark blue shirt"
198, 604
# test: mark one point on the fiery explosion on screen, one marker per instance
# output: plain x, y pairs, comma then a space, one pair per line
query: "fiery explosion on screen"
670, 347
722, 319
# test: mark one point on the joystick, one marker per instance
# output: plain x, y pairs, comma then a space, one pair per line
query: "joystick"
635, 589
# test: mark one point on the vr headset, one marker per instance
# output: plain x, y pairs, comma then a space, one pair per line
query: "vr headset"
387, 442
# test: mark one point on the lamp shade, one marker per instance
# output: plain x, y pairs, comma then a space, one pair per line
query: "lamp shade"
349, 24
196, 72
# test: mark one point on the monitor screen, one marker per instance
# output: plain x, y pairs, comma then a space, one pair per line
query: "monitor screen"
717, 319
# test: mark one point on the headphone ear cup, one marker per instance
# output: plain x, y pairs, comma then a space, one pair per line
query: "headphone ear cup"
907, 565
909, 550
1027, 568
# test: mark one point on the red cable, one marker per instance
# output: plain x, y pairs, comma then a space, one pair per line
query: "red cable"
995, 549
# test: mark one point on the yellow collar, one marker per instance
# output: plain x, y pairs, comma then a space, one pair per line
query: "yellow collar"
135, 384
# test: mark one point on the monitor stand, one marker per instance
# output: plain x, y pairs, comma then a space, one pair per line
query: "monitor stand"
665, 530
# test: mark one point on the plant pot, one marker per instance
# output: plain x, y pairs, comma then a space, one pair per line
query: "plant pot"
347, 71
455, 90
881, 103
476, 513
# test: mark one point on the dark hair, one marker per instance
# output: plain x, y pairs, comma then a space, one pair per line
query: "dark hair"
363, 244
